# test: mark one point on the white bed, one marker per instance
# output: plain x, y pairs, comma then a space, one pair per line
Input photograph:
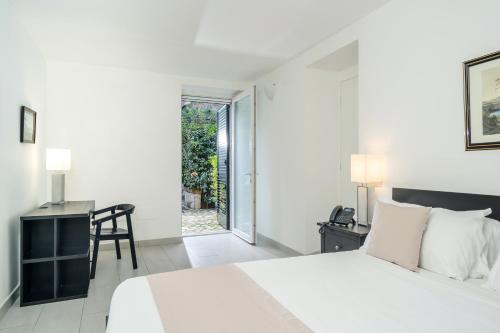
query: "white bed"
341, 292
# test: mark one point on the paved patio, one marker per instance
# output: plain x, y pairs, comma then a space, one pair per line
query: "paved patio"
200, 221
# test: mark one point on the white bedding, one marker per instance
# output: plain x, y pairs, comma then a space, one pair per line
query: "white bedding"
342, 292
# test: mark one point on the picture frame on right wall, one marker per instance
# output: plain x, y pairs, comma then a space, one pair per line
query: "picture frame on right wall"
482, 102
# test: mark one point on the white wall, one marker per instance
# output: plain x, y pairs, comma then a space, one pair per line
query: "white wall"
123, 128
295, 160
298, 155
279, 152
321, 157
412, 92
22, 174
411, 109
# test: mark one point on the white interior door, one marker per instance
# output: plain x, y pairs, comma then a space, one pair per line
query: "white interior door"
242, 180
348, 138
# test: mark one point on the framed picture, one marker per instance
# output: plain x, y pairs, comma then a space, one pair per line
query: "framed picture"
482, 102
28, 125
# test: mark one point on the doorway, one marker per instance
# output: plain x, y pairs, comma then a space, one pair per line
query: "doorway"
218, 164
205, 165
339, 77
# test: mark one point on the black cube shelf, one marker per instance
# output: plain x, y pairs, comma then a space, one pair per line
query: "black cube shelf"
34, 246
69, 236
70, 282
38, 284
55, 243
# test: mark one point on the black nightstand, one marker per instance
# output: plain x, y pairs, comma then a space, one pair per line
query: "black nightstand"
336, 238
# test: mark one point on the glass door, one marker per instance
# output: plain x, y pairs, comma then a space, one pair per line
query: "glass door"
243, 165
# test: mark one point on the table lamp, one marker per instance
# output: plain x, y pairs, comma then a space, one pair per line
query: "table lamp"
58, 161
367, 171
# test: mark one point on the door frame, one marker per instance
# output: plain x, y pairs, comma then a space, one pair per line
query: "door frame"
250, 238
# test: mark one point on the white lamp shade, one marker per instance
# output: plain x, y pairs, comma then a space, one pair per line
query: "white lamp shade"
367, 169
58, 159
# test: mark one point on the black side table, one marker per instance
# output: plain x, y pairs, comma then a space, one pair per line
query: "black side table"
335, 238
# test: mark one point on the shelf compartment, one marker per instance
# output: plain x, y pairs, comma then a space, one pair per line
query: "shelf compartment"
72, 277
38, 284
38, 238
73, 236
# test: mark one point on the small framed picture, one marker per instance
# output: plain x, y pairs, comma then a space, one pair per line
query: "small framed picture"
482, 102
28, 125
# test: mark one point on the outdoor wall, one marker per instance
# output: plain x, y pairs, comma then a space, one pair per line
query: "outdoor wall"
22, 174
124, 131
411, 110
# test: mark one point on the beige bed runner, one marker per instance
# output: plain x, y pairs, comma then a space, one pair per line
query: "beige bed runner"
218, 299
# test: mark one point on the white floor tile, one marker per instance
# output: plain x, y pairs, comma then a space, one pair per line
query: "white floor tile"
94, 323
60, 317
19, 329
21, 316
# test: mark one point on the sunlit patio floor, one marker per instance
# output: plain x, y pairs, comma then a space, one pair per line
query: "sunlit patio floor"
200, 221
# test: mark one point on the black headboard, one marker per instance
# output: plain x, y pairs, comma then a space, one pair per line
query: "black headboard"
449, 200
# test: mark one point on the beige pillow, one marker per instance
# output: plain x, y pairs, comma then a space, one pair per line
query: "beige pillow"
396, 234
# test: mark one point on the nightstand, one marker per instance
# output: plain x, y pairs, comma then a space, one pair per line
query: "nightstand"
335, 238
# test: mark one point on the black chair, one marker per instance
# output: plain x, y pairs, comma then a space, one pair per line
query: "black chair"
98, 233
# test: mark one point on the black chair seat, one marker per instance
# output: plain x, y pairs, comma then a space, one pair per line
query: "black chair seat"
109, 233
99, 233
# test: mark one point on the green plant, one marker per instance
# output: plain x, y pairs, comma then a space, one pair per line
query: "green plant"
199, 145
213, 162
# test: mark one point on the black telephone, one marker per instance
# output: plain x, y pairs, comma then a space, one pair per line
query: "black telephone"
342, 216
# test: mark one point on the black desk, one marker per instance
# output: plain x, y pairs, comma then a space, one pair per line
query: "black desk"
55, 243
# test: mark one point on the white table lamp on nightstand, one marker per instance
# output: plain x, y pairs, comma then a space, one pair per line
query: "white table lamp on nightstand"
58, 161
367, 171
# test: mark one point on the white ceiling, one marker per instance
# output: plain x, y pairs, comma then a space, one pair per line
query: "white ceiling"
220, 39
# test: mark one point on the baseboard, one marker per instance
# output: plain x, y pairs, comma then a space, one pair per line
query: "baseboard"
263, 240
124, 243
7, 303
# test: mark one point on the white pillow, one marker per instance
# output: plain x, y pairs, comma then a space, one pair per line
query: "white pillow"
491, 230
453, 243
494, 277
480, 269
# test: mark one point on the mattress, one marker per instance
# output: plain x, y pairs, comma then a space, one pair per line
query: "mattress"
339, 292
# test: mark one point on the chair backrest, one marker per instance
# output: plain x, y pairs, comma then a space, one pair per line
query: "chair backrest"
128, 208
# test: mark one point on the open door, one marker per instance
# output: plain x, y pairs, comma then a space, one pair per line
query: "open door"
242, 166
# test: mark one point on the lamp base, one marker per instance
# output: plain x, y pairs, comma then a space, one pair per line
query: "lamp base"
58, 186
362, 208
